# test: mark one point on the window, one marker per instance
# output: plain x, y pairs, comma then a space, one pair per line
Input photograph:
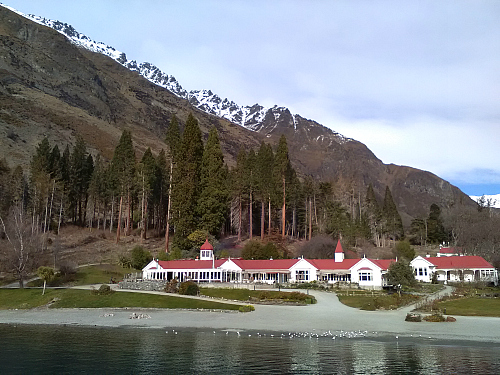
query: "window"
365, 276
302, 275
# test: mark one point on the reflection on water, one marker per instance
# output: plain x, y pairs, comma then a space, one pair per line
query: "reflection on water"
53, 349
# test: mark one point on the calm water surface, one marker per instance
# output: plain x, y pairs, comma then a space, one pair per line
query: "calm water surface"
65, 349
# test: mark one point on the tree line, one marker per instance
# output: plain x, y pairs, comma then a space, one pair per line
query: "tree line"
188, 191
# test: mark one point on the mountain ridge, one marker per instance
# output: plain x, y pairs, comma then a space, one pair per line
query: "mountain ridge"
248, 116
52, 86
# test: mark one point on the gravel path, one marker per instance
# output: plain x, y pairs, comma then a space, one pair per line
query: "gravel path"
327, 315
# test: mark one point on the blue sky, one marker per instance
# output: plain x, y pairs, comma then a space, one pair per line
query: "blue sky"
417, 81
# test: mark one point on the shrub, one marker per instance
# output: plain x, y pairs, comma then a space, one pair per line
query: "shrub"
410, 317
139, 257
103, 290
172, 286
67, 268
436, 317
189, 288
124, 261
246, 308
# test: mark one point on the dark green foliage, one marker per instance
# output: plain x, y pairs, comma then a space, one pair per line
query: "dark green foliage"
81, 168
104, 290
403, 249
139, 257
123, 164
400, 273
373, 214
186, 187
213, 200
189, 288
393, 225
173, 138
281, 167
412, 317
435, 228
5, 188
257, 250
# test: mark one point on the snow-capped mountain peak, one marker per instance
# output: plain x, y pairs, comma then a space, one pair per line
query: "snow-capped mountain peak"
255, 117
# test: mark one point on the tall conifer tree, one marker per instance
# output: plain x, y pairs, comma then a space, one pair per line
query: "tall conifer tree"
212, 204
393, 222
186, 187
281, 165
123, 170
173, 140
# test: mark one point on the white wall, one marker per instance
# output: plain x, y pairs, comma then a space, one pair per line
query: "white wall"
375, 272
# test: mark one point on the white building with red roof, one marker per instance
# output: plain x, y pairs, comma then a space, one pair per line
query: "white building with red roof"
367, 273
454, 268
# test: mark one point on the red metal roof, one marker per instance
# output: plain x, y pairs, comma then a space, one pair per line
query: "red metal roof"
382, 263
206, 246
330, 264
267, 264
464, 262
339, 249
190, 264
365, 269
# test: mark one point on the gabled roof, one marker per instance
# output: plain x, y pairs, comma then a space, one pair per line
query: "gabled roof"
382, 263
330, 264
189, 264
463, 262
267, 264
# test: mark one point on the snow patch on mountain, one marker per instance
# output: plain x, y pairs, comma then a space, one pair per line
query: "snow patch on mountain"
250, 117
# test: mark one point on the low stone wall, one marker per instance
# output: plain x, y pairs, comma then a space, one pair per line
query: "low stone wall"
154, 285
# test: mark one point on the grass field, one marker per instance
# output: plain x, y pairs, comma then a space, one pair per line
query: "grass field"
249, 295
97, 274
365, 301
473, 306
72, 298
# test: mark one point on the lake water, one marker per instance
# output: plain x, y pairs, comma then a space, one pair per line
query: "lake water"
67, 349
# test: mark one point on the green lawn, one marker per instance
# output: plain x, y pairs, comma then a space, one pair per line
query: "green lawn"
472, 306
98, 274
248, 294
377, 301
72, 298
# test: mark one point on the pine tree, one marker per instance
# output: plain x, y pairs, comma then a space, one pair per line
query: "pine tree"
251, 184
173, 140
435, 231
265, 183
212, 204
374, 214
392, 219
146, 176
123, 172
238, 186
185, 192
281, 164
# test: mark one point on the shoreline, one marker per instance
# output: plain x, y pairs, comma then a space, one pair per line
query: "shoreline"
328, 315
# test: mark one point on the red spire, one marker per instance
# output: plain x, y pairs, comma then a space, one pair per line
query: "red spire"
206, 246
339, 249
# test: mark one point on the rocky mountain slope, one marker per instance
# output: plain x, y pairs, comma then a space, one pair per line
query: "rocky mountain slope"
61, 83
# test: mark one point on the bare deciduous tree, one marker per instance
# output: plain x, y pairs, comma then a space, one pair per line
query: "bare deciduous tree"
23, 244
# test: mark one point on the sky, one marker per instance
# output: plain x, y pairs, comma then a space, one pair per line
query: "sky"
418, 82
